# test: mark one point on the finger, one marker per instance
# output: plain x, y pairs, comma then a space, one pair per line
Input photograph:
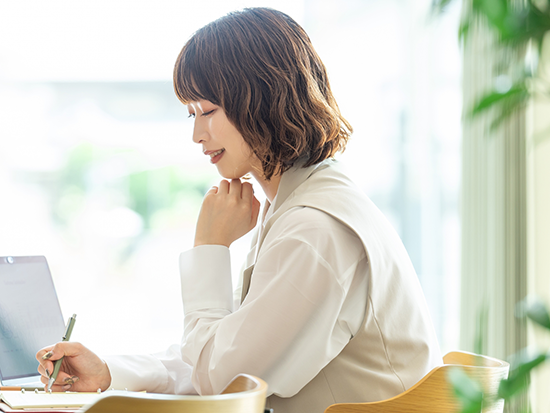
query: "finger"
62, 349
59, 387
63, 382
223, 187
68, 382
247, 192
42, 352
64, 378
44, 363
235, 188
44, 371
213, 190
45, 367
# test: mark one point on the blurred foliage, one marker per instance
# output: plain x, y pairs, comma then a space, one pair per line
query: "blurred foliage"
518, 26
121, 177
518, 379
468, 391
515, 22
535, 310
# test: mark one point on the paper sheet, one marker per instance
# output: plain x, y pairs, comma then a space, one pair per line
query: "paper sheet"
20, 400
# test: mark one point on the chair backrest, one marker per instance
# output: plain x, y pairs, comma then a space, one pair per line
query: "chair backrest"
245, 394
434, 393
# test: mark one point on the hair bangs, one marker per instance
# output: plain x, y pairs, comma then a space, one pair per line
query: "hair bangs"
197, 70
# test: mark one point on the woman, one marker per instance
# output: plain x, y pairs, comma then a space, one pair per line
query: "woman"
330, 309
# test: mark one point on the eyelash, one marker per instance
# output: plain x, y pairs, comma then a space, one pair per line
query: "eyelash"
192, 115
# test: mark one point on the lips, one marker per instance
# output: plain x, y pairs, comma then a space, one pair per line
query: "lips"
216, 155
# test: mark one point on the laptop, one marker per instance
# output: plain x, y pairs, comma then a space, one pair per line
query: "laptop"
30, 318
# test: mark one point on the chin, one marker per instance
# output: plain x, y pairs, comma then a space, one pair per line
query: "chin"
232, 175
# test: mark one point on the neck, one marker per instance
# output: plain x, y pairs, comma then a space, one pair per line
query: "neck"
270, 187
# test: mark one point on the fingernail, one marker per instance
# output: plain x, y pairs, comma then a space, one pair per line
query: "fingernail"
66, 387
75, 378
69, 380
47, 355
48, 373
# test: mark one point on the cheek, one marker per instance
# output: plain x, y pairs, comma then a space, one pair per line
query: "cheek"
245, 149
213, 126
223, 132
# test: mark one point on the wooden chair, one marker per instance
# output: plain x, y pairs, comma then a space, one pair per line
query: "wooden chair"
245, 394
434, 394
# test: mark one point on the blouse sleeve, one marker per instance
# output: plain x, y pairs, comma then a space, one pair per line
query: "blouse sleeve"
290, 324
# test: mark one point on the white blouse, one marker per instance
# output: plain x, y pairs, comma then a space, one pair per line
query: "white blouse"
306, 300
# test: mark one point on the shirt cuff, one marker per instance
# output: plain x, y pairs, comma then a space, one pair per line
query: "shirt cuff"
206, 278
137, 373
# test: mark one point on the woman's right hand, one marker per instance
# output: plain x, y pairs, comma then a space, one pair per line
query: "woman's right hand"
81, 369
227, 213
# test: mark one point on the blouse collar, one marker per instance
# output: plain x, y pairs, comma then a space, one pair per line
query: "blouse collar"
293, 178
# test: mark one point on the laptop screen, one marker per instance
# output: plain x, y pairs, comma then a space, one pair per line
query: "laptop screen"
30, 316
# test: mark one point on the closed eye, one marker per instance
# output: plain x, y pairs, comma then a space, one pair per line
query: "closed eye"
192, 115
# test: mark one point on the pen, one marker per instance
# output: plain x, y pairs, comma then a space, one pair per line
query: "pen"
57, 363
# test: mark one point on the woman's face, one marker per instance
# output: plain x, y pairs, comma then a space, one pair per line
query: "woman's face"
221, 141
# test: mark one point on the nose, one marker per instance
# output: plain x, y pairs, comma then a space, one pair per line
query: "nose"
200, 134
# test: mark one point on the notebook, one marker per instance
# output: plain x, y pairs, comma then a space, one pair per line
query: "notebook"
30, 318
31, 400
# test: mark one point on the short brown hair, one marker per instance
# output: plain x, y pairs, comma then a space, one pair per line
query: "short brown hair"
259, 66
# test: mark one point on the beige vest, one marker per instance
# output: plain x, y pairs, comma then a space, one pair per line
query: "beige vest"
396, 344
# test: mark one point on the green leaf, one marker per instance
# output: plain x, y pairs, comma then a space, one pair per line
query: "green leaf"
534, 309
518, 379
496, 12
515, 95
504, 102
534, 24
466, 390
515, 26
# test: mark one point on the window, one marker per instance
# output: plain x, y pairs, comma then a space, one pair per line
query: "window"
98, 171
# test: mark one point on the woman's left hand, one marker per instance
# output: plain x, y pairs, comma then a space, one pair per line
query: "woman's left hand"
227, 213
